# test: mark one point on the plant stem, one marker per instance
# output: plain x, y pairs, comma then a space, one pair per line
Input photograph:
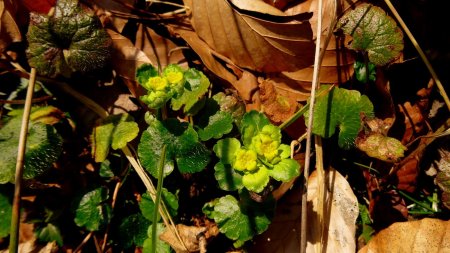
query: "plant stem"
415, 201
15, 218
315, 84
421, 53
162, 161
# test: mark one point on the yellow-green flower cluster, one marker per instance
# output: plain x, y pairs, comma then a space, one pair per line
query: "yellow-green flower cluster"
163, 87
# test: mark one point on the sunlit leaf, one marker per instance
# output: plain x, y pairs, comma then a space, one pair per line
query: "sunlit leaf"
219, 124
227, 177
92, 212
382, 147
251, 125
115, 131
373, 31
133, 230
198, 85
44, 145
340, 108
182, 146
226, 148
285, 170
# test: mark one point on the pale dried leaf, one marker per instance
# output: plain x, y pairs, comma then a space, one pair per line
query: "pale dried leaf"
190, 236
339, 220
250, 42
257, 6
9, 31
32, 247
426, 235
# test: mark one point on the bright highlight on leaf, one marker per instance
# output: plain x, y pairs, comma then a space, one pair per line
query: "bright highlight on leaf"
342, 109
373, 31
115, 131
72, 39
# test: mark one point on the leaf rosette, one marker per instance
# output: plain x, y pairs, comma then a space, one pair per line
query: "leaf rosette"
72, 39
262, 156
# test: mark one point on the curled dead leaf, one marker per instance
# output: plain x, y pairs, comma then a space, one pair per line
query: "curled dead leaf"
192, 236
277, 105
9, 30
426, 235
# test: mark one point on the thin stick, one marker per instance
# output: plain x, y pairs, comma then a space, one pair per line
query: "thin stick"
85, 240
421, 53
15, 218
320, 191
315, 82
113, 203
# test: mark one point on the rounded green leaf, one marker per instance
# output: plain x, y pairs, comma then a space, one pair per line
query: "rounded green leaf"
256, 180
49, 233
227, 177
226, 149
251, 125
373, 31
133, 230
72, 39
161, 247
92, 213
144, 72
285, 170
218, 124
197, 86
44, 145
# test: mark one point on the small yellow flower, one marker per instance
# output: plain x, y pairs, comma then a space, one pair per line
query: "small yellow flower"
157, 83
173, 76
245, 160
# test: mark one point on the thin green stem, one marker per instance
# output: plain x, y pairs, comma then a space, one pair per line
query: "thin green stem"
415, 201
421, 53
158, 196
15, 218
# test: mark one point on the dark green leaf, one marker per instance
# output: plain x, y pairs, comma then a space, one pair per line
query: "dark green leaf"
114, 131
144, 72
182, 146
161, 247
340, 108
133, 230
71, 40
365, 72
50, 233
147, 205
105, 169
219, 124
227, 177
239, 223
91, 211
373, 31
44, 145
198, 86
5, 209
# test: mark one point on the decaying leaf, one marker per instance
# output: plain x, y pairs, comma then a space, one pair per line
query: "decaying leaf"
33, 246
9, 31
250, 41
339, 216
191, 236
426, 235
382, 147
278, 106
373, 31
443, 176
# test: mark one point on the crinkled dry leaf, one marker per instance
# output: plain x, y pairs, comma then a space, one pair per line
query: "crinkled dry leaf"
252, 42
426, 235
278, 106
9, 31
34, 247
339, 220
443, 176
189, 234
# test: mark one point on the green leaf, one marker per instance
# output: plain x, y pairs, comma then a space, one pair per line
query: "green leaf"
182, 146
285, 170
226, 149
198, 86
340, 108
231, 104
239, 223
373, 31
44, 145
227, 177
161, 247
365, 72
91, 211
133, 230
213, 122
144, 72
6, 194
49, 233
378, 146
72, 39
114, 131
251, 125
256, 180
147, 205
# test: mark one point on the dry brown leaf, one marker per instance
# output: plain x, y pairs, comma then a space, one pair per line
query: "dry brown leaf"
339, 218
126, 58
33, 247
277, 105
106, 9
9, 31
414, 121
191, 237
426, 235
251, 42
160, 50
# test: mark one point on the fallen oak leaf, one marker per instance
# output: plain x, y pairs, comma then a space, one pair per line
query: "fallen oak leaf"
426, 235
